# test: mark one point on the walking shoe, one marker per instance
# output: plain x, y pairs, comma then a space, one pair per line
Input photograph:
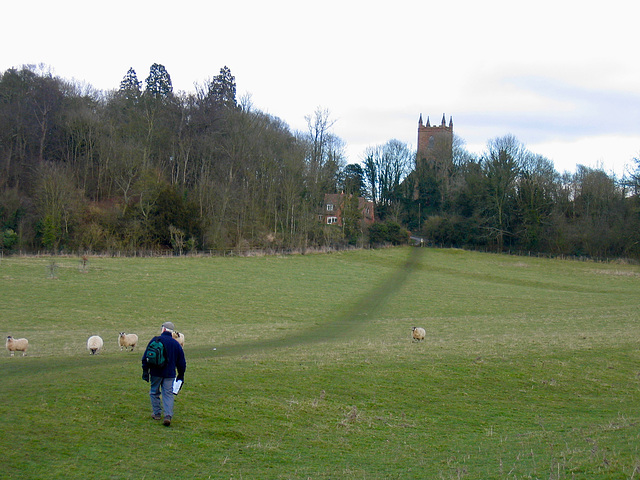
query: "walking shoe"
167, 421
156, 416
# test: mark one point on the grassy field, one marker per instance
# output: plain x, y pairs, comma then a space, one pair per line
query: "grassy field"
302, 367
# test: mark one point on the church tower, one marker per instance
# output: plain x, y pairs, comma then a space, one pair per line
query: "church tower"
435, 143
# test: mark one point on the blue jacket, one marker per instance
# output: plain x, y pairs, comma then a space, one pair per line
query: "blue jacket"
175, 358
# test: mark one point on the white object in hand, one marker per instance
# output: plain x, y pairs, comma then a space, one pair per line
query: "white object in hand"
177, 385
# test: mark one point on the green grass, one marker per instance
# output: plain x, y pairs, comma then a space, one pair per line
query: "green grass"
302, 367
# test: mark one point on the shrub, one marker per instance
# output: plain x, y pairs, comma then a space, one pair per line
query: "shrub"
8, 239
388, 232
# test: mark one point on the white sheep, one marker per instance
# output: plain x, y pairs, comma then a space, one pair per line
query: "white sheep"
94, 344
179, 337
127, 340
418, 333
17, 344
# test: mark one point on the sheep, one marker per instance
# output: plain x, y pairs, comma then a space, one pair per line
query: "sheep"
418, 333
127, 340
94, 344
19, 344
179, 337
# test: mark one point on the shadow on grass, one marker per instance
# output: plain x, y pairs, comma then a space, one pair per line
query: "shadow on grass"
344, 323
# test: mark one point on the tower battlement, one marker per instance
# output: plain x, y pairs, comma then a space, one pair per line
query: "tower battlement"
434, 141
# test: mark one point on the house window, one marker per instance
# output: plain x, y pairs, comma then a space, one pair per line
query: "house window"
329, 207
332, 220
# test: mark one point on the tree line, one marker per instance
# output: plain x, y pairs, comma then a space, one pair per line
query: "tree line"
142, 167
510, 198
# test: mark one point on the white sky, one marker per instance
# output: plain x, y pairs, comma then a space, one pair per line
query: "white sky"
562, 76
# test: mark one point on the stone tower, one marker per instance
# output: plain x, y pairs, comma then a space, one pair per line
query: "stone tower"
435, 143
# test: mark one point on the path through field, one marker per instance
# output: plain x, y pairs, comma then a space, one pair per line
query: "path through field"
345, 322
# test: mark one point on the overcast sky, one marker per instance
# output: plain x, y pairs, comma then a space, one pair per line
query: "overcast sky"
563, 77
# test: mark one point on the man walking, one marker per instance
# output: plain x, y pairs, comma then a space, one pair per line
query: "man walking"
162, 373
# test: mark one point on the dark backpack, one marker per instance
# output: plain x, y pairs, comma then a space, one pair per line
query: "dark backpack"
155, 354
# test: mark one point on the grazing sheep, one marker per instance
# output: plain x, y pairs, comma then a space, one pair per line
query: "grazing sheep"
127, 340
418, 333
17, 344
94, 344
179, 337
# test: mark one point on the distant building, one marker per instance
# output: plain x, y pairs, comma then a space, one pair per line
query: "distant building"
435, 143
434, 154
334, 205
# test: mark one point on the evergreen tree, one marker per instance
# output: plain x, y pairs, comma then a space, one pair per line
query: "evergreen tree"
222, 88
130, 86
158, 83
353, 180
351, 219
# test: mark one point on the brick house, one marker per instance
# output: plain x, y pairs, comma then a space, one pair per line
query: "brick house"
333, 207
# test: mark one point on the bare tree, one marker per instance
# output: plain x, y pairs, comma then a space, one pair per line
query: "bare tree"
57, 203
325, 156
370, 172
385, 168
502, 165
632, 178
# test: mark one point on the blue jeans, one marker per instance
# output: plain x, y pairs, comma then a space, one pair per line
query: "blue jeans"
165, 386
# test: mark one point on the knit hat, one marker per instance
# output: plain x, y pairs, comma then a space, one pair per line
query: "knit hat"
169, 326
